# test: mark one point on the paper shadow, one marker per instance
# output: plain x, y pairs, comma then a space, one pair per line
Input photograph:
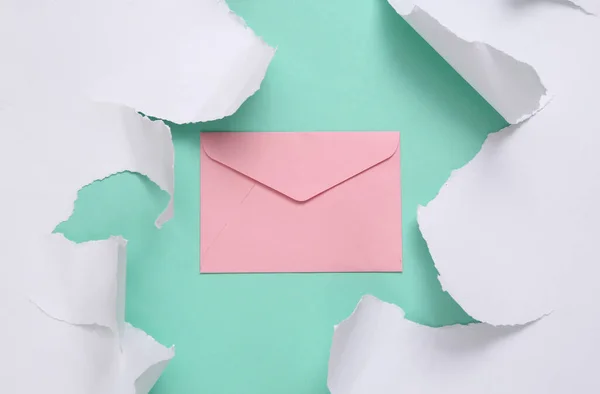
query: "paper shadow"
522, 4
473, 338
433, 79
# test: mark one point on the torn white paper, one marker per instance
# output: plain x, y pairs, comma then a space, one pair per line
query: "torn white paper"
62, 304
511, 86
377, 351
146, 359
526, 203
85, 141
64, 280
513, 234
181, 60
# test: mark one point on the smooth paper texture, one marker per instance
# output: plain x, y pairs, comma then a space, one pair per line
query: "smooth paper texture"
62, 304
511, 86
181, 60
513, 235
300, 202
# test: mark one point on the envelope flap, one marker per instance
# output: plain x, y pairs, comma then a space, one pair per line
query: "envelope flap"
300, 165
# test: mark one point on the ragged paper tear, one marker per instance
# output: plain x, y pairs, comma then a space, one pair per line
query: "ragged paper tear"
146, 359
513, 235
86, 141
61, 303
377, 351
181, 60
511, 86
526, 203
67, 290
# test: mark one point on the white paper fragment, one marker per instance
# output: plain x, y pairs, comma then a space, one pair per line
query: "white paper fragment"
516, 227
65, 279
62, 304
511, 86
527, 202
377, 351
92, 141
181, 60
513, 234
63, 356
145, 358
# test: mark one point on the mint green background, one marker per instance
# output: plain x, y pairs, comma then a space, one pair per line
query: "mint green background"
340, 65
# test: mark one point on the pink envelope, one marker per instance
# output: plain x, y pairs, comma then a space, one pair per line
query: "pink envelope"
300, 202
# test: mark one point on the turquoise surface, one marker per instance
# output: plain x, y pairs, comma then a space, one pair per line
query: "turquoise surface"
340, 65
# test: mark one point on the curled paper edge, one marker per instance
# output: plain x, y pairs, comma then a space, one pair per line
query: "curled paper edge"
493, 309
66, 285
211, 61
562, 343
144, 358
147, 370
512, 87
84, 297
250, 74
377, 350
495, 72
161, 134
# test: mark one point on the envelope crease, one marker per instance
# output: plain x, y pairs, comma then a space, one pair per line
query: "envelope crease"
292, 163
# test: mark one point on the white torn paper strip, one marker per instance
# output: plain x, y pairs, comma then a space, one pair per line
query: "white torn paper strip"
62, 304
511, 86
513, 235
181, 60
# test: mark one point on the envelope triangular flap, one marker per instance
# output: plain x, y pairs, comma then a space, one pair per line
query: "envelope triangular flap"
300, 165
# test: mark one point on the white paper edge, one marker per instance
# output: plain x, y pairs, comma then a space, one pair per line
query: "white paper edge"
511, 86
150, 154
